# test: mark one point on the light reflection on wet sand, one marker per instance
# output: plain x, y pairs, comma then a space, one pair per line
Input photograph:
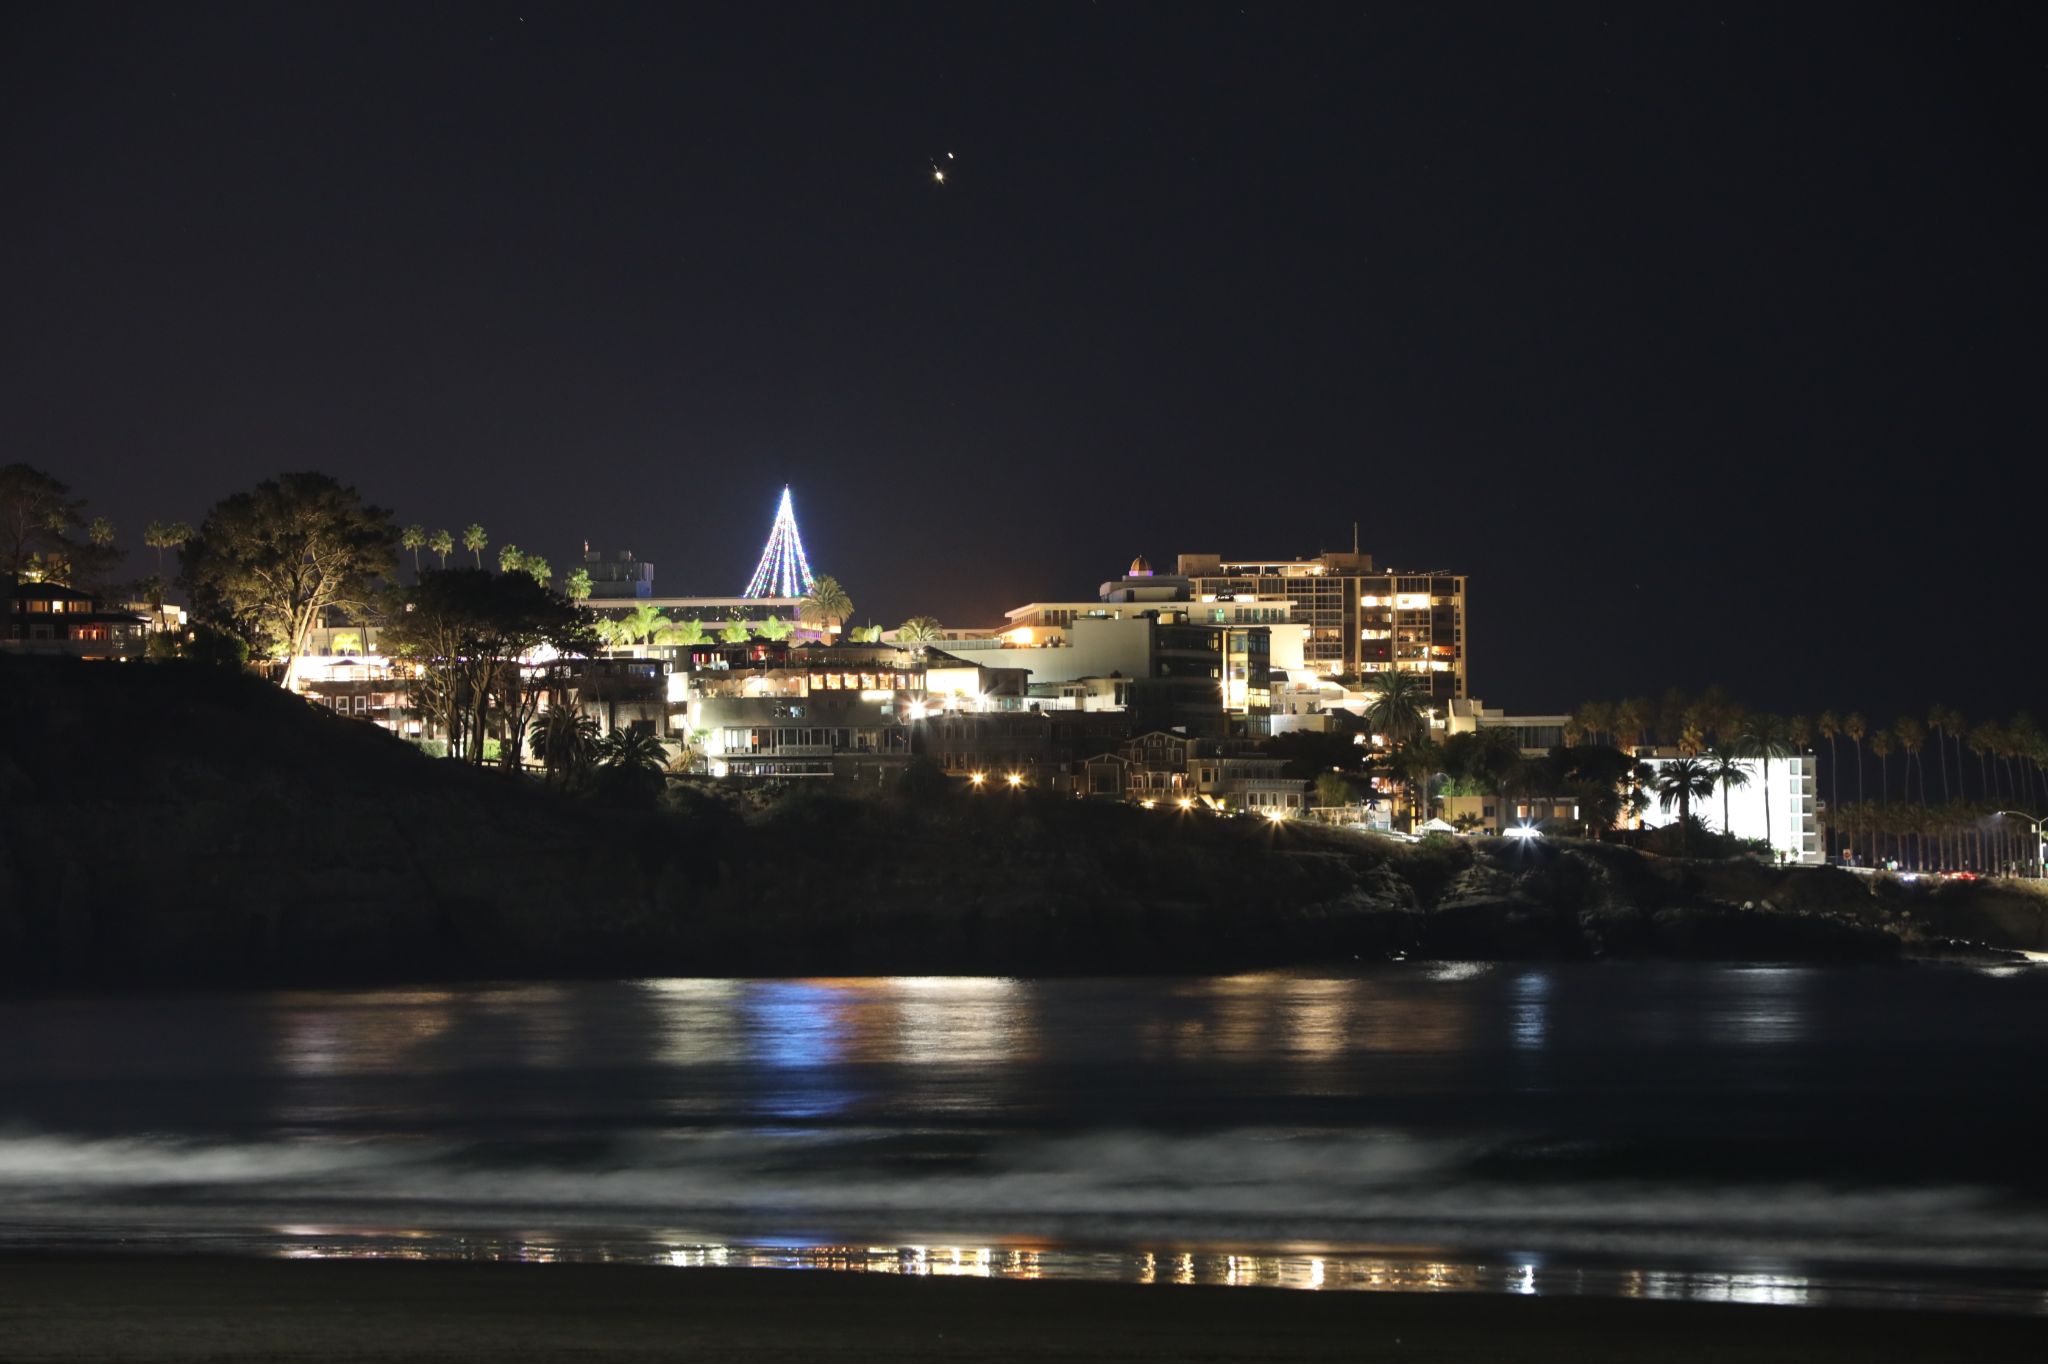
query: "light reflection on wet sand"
1310, 1271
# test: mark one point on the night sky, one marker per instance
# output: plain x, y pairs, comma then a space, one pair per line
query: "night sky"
1707, 339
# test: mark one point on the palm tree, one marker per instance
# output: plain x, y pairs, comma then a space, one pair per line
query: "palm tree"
1829, 726
1680, 783
474, 541
687, 633
1938, 727
1631, 718
919, 632
775, 627
735, 632
577, 587
1767, 738
413, 537
163, 535
443, 544
633, 750
1855, 726
826, 606
1881, 745
100, 532
1594, 719
1728, 774
564, 739
1983, 740
536, 568
510, 557
1911, 736
641, 624
1396, 711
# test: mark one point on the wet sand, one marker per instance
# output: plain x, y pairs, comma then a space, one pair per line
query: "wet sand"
112, 1308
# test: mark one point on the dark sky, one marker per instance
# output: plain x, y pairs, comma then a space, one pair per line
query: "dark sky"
1706, 338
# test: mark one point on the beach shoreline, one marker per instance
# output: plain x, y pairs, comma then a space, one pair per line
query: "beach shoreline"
63, 1307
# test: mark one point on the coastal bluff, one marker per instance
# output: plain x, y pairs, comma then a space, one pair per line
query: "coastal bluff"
177, 825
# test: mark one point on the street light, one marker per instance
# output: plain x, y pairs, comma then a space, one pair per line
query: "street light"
2040, 839
976, 778
1016, 779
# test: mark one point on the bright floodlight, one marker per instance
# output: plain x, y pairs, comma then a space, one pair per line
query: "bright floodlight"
1015, 779
978, 777
1277, 816
783, 571
1186, 803
1522, 831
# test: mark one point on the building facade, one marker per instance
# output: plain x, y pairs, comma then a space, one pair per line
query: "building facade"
44, 618
1778, 806
1360, 620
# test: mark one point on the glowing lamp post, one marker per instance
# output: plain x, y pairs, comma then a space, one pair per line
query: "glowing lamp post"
2040, 839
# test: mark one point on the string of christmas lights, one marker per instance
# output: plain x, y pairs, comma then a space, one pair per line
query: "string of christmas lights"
783, 571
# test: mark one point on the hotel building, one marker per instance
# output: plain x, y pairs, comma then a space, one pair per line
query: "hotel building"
1360, 621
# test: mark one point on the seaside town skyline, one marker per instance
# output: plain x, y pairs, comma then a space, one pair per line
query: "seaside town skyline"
1619, 315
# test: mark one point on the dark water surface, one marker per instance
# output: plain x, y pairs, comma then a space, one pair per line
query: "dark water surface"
1757, 1134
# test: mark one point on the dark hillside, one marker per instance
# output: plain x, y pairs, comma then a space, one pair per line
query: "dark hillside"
169, 824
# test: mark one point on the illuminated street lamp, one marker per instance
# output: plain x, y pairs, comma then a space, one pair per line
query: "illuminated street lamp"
2040, 839
1016, 779
977, 778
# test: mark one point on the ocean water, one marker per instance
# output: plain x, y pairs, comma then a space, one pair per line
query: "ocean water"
1761, 1134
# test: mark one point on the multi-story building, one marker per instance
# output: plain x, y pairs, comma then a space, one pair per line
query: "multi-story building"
1360, 621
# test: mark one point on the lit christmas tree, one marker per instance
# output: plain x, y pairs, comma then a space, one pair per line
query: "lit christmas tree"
784, 572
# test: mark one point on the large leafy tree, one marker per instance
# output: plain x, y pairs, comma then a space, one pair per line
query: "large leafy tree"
39, 519
267, 564
464, 633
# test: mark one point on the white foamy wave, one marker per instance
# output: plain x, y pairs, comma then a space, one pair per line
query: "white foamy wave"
1104, 1188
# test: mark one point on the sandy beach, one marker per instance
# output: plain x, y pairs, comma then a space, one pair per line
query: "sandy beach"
111, 1308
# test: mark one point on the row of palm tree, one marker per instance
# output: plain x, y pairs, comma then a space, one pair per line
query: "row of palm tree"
2010, 766
646, 625
1952, 836
441, 543
567, 743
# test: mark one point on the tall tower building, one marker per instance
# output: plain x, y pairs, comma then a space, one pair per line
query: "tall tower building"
1360, 620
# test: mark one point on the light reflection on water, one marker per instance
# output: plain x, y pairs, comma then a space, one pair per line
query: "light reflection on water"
1251, 1130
